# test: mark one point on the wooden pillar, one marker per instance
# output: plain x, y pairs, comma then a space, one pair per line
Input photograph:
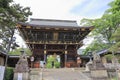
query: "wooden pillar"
65, 58
45, 55
32, 61
78, 61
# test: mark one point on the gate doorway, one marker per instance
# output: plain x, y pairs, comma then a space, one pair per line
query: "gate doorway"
57, 58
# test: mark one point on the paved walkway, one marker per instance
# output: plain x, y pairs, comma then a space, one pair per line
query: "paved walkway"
59, 74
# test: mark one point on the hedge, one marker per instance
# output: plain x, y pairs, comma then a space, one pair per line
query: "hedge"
9, 73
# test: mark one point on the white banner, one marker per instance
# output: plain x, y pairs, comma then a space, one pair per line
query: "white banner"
2, 70
19, 76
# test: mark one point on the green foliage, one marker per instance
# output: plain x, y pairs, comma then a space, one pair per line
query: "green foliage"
115, 78
109, 56
115, 6
10, 14
57, 64
115, 47
50, 60
87, 22
118, 57
49, 65
104, 27
95, 47
116, 37
9, 73
17, 51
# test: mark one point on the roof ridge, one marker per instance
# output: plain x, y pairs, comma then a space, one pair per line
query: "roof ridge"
52, 20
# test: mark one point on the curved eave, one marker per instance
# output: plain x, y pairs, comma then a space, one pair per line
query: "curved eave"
21, 24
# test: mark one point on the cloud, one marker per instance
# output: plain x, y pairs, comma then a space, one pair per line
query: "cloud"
65, 9
56, 9
91, 8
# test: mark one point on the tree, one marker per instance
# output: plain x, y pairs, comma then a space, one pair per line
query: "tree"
106, 25
116, 37
52, 59
10, 14
17, 51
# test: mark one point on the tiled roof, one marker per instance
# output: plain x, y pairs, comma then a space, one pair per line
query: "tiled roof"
2, 52
102, 51
51, 22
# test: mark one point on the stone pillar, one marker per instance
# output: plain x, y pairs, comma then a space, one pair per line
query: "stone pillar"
65, 58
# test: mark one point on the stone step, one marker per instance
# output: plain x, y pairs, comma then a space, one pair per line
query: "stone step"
58, 74
34, 73
79, 69
35, 69
34, 77
60, 69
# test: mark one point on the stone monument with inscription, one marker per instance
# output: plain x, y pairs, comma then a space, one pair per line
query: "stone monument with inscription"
21, 71
98, 71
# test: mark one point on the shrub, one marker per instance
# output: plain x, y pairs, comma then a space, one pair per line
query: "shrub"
57, 64
9, 73
50, 60
48, 65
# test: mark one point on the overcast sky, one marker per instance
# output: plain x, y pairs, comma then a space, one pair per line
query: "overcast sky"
65, 9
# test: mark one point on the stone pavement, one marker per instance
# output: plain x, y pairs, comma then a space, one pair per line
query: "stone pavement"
58, 74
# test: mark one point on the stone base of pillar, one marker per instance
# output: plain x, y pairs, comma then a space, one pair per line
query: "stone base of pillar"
119, 74
21, 76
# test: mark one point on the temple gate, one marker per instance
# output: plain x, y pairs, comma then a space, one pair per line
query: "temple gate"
46, 37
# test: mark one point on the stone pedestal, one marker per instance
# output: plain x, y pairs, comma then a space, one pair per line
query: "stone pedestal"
99, 75
98, 71
119, 74
88, 66
21, 76
21, 71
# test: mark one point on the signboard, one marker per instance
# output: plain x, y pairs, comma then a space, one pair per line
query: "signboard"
2, 69
19, 76
32, 58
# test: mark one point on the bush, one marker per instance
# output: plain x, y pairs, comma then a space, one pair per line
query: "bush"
50, 60
48, 65
57, 64
9, 73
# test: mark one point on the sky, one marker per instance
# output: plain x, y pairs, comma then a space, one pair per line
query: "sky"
66, 9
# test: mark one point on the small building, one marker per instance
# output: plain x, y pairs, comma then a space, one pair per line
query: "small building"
2, 58
110, 59
13, 59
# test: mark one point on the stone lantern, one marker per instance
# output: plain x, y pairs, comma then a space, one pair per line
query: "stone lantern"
21, 71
